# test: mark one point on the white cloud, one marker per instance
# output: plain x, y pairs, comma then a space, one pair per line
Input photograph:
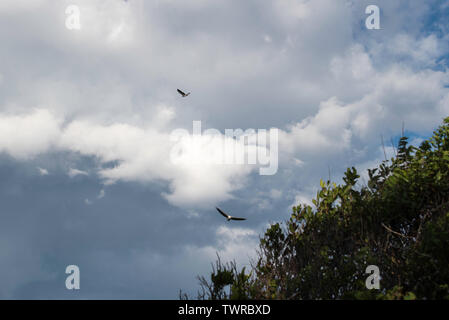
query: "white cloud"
275, 194
142, 154
385, 100
24, 136
142, 150
42, 171
267, 38
15, 5
303, 199
424, 50
234, 243
329, 94
75, 172
101, 194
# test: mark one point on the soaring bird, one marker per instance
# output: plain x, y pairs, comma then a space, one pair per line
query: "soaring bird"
228, 217
183, 94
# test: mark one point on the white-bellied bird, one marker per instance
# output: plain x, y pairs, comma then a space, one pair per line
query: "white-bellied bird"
228, 217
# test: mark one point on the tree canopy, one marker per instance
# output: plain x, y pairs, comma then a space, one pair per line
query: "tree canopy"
398, 221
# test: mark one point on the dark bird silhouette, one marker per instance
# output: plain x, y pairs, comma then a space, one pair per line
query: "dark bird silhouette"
183, 94
228, 217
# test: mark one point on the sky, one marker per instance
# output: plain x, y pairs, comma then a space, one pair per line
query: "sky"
88, 170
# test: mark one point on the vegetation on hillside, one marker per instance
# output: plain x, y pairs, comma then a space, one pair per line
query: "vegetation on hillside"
398, 221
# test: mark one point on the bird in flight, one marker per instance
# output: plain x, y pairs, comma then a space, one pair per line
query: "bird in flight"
183, 94
228, 217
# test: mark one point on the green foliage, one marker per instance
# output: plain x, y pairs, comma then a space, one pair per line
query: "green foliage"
226, 282
399, 221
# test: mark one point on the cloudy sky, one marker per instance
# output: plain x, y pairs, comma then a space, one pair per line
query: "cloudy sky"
87, 175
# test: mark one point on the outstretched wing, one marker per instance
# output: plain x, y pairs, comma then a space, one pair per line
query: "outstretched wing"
180, 92
239, 219
222, 213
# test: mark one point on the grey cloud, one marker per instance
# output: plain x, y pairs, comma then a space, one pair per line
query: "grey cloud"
330, 85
